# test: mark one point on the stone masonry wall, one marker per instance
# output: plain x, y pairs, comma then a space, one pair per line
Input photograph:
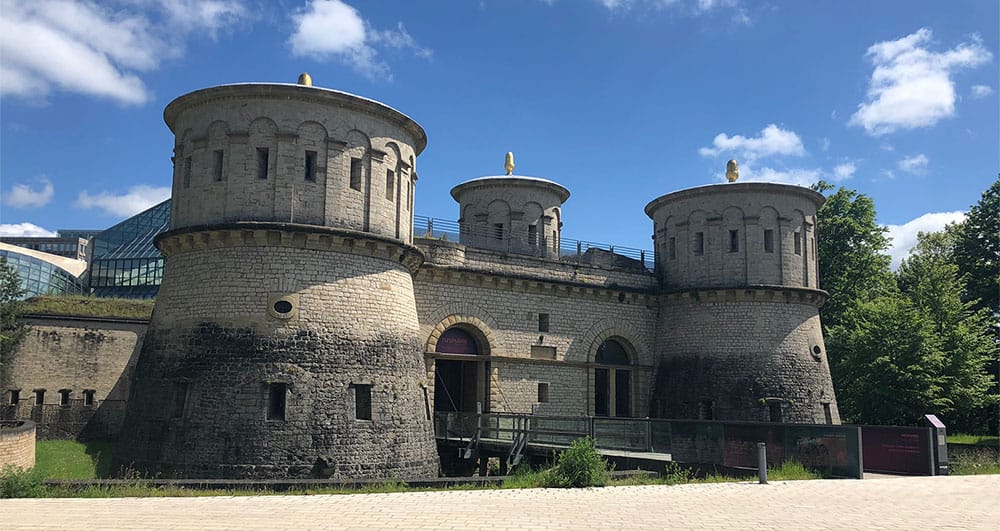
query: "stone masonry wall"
17, 445
75, 355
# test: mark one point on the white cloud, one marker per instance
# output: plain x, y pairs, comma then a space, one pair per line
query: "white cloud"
843, 171
914, 164
97, 50
24, 230
904, 236
24, 196
981, 91
911, 85
137, 199
772, 140
331, 28
824, 144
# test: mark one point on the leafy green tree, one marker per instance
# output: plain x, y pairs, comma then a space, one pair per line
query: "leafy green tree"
977, 251
853, 264
11, 330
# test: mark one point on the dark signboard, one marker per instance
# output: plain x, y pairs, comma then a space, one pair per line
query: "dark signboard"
897, 450
456, 341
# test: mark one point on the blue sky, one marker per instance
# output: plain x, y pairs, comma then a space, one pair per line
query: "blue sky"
621, 101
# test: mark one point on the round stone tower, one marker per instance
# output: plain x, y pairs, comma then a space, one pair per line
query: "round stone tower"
284, 340
511, 213
739, 329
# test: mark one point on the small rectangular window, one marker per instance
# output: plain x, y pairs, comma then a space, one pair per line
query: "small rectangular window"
774, 410
543, 392
555, 242
498, 231
64, 397
356, 170
39, 397
187, 172
699, 243
706, 410
827, 414
798, 243
390, 184
532, 235
768, 241
363, 401
15, 397
276, 396
672, 249
541, 352
263, 162
543, 322
218, 157
734, 241
409, 197
88, 397
179, 399
310, 173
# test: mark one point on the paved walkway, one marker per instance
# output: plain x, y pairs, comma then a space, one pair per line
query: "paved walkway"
956, 502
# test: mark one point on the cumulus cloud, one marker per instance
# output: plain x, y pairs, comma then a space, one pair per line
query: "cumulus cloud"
843, 171
904, 236
911, 85
914, 164
96, 49
24, 230
981, 91
137, 199
24, 196
332, 29
772, 140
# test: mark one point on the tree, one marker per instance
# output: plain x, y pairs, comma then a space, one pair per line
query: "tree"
852, 260
977, 251
11, 330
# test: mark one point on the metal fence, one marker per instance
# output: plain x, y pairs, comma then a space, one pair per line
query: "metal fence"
500, 238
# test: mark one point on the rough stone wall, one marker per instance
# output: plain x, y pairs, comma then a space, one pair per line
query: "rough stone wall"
742, 350
200, 407
288, 121
75, 354
17, 445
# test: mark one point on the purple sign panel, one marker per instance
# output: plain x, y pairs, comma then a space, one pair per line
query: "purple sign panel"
456, 341
897, 449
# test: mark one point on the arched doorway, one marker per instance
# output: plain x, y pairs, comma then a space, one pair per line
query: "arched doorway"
612, 380
459, 372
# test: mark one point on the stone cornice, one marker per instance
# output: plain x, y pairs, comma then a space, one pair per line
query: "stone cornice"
266, 234
757, 293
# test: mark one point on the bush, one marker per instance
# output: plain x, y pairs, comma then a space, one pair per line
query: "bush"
18, 483
578, 466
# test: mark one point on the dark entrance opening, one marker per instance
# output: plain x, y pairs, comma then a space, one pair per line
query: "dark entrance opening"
459, 383
613, 381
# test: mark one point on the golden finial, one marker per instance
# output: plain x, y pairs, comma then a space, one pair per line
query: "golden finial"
508, 162
305, 79
732, 171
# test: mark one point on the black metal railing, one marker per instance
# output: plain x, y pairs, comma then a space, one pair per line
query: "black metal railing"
501, 238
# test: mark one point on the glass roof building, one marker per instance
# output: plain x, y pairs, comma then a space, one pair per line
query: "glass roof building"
43, 273
124, 262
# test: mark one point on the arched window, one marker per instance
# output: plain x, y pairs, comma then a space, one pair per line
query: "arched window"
612, 381
459, 380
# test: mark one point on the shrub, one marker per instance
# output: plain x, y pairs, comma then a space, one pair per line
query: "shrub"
578, 466
18, 483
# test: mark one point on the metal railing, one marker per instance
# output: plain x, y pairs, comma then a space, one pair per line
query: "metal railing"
501, 238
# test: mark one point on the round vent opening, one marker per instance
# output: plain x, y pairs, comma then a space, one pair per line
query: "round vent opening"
282, 307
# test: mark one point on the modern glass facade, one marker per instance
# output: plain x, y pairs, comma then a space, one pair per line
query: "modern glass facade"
39, 277
125, 263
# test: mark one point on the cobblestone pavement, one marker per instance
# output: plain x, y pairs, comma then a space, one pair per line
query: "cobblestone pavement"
956, 502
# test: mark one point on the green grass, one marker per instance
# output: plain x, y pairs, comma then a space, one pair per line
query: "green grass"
979, 440
61, 459
975, 461
89, 306
791, 471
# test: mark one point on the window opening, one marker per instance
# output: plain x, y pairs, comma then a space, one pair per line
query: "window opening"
699, 243
543, 392
88, 397
310, 168
768, 241
532, 235
363, 401
276, 398
263, 156
612, 385
15, 396
187, 172
734, 241
706, 410
390, 184
798, 243
39, 397
217, 160
64, 397
672, 248
827, 413
774, 410
543, 322
498, 231
356, 169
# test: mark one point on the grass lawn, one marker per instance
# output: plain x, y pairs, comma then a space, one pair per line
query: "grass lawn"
62, 459
89, 306
979, 440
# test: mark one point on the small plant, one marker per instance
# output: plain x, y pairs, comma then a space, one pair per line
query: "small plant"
578, 466
674, 474
18, 483
791, 470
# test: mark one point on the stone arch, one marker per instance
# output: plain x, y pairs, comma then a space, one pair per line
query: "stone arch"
616, 328
356, 138
479, 329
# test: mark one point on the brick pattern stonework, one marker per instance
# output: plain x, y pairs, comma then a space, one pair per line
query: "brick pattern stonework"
17, 445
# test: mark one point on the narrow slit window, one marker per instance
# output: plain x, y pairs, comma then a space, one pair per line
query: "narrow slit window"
64, 397
699, 243
768, 241
672, 248
180, 399
187, 172
88, 397
498, 231
263, 161
39, 397
734, 241
706, 410
543, 392
218, 157
276, 401
363, 401
390, 184
798, 243
409, 197
543, 322
555, 242
15, 396
310, 166
356, 169
532, 235
827, 413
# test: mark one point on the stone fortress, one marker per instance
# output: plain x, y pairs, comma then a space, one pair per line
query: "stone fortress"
303, 326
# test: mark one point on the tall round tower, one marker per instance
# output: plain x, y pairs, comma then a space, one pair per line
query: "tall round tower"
284, 340
739, 330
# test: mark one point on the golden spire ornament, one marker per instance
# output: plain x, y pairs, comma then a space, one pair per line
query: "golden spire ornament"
305, 79
508, 162
732, 171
